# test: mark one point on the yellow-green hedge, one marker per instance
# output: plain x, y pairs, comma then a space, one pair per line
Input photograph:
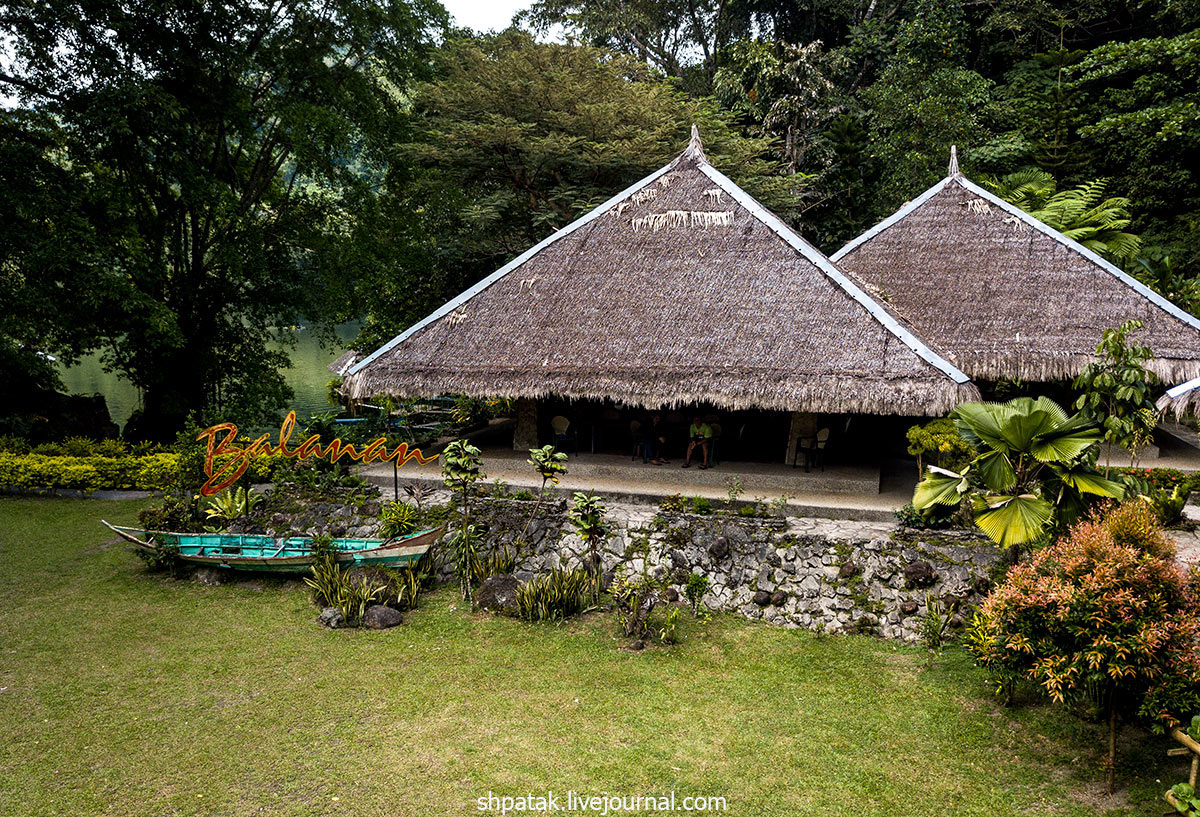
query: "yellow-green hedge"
152, 472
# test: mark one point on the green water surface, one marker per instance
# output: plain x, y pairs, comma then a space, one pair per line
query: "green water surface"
307, 376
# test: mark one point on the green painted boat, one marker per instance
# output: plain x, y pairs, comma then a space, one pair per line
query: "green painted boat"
264, 554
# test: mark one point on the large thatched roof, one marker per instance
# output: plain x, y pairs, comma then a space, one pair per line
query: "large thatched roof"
681, 289
1000, 294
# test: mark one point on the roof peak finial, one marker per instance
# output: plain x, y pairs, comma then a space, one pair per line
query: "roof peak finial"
953, 170
695, 150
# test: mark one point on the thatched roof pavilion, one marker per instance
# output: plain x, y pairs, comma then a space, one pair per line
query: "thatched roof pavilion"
1002, 295
681, 289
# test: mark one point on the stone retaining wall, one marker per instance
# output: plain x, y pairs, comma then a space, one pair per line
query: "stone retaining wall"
821, 574
835, 576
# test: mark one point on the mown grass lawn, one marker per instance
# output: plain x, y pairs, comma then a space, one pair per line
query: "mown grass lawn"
126, 693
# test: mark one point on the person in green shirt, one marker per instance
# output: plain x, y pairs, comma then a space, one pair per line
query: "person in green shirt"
700, 434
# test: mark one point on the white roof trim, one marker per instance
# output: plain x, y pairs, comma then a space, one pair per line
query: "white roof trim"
833, 273
1008, 207
1183, 388
463, 297
890, 220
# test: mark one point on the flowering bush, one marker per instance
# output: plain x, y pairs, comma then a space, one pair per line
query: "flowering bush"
1105, 615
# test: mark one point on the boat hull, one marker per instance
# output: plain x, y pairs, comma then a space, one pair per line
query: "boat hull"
262, 554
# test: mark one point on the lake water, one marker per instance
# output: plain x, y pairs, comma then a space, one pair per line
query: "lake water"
308, 376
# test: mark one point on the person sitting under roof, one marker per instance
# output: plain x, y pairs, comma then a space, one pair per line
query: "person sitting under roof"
656, 436
700, 434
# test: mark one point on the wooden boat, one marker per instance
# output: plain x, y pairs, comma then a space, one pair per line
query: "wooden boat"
265, 554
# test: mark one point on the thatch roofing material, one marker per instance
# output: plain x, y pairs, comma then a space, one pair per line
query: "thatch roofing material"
344, 362
681, 289
1000, 294
1182, 399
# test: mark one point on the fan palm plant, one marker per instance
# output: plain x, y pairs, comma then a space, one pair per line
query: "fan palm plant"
1032, 468
1081, 213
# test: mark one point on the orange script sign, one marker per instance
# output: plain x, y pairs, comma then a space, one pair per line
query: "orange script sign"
229, 471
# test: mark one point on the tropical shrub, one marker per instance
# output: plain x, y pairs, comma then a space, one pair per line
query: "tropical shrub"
462, 467
549, 464
397, 519
634, 599
1033, 470
1104, 616
231, 504
553, 596
181, 513
586, 515
694, 590
153, 472
939, 442
1117, 390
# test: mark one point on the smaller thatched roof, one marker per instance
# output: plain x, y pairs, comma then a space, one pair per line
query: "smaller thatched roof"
345, 362
682, 289
1182, 399
1002, 295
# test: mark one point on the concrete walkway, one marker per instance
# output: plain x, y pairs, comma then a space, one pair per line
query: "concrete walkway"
840, 492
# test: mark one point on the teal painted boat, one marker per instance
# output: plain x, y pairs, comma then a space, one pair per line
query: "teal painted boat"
264, 554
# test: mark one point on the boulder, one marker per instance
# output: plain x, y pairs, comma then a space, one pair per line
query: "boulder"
331, 617
919, 574
498, 594
909, 608
719, 549
672, 595
849, 569
210, 576
778, 598
379, 617
762, 598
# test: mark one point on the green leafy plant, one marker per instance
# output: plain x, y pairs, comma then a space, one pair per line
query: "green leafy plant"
668, 633
634, 599
586, 515
397, 519
694, 590
940, 443
231, 504
1031, 470
462, 467
1117, 391
326, 578
1104, 616
736, 486
164, 559
1081, 213
554, 596
936, 620
701, 506
673, 504
1185, 800
549, 464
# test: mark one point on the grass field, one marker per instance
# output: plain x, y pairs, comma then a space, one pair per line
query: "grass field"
126, 693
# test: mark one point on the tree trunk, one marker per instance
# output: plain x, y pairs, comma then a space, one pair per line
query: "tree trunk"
1110, 762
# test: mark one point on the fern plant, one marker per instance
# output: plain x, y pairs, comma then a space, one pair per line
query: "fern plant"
1084, 213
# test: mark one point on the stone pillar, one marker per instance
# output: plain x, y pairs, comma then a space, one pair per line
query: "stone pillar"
526, 435
803, 425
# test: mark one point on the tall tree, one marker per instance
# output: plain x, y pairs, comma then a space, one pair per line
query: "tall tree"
221, 150
517, 139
